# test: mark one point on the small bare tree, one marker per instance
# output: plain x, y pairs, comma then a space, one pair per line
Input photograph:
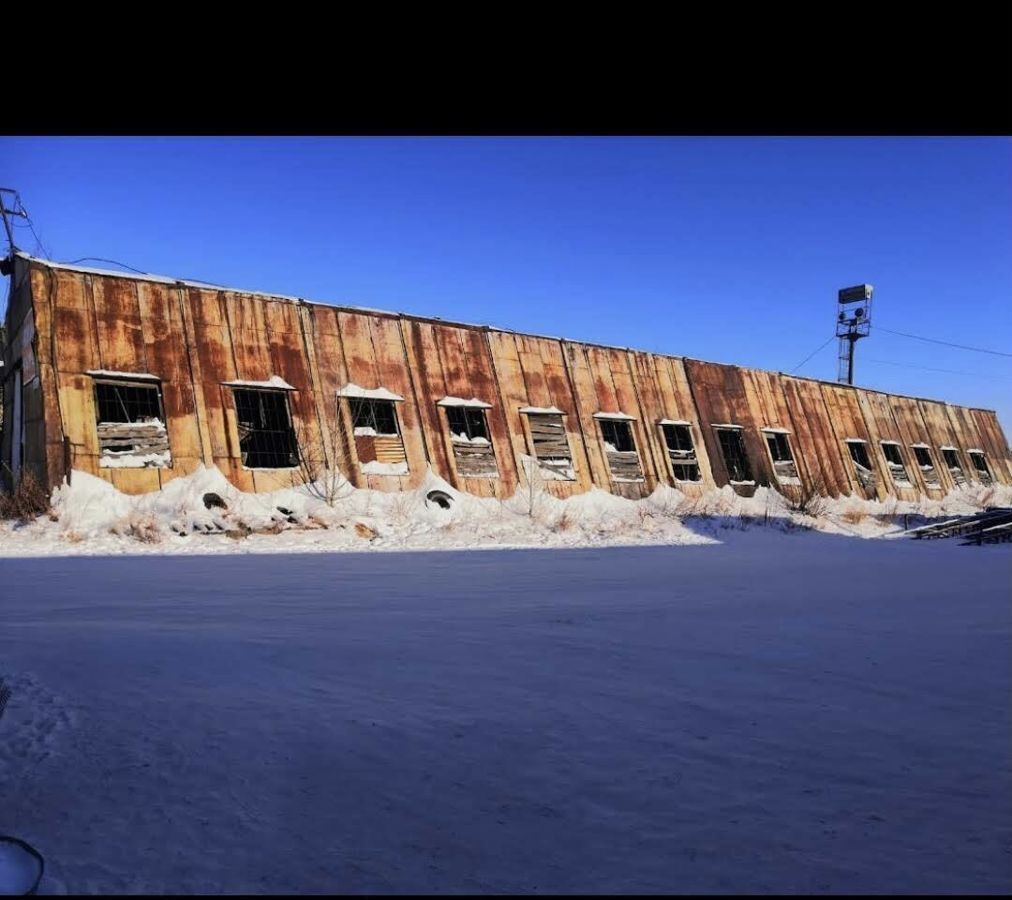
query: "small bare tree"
324, 457
809, 499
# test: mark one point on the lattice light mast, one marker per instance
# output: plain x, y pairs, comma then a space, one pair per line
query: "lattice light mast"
853, 322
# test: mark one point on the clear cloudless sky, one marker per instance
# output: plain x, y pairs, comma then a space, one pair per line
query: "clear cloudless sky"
727, 249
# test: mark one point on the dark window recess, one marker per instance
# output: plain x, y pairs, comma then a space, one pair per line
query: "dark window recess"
620, 449
551, 446
379, 415
472, 448
927, 465
955, 468
377, 438
467, 423
732, 446
862, 464
780, 452
266, 437
681, 452
894, 460
980, 465
131, 429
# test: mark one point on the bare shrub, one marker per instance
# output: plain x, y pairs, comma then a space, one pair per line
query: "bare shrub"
853, 515
565, 522
323, 462
27, 501
809, 499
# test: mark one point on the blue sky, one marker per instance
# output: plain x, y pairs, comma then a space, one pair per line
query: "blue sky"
729, 249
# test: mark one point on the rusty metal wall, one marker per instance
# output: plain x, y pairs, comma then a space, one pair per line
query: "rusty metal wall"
196, 338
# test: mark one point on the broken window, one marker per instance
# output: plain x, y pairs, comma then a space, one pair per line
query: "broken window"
266, 437
472, 447
378, 441
732, 447
784, 466
551, 446
955, 468
926, 464
131, 426
862, 463
980, 466
894, 461
620, 449
681, 451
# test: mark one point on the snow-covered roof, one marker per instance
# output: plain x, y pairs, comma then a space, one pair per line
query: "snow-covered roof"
110, 373
621, 416
542, 410
673, 422
275, 382
381, 393
457, 401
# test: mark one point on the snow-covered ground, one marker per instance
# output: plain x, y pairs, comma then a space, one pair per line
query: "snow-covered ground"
778, 712
91, 517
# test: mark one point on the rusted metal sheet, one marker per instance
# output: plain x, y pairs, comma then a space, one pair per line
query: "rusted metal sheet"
430, 386
827, 470
768, 403
934, 476
994, 443
846, 420
719, 392
118, 320
883, 425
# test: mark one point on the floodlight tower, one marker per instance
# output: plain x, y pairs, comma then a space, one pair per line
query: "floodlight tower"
853, 322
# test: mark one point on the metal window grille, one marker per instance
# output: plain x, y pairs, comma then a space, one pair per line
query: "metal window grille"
379, 415
681, 452
127, 402
732, 446
266, 437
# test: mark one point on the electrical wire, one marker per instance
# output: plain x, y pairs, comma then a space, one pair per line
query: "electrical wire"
103, 259
810, 355
917, 337
889, 362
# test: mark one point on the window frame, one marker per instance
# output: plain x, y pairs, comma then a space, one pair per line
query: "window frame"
977, 470
283, 393
905, 482
528, 417
131, 382
691, 460
936, 482
775, 435
731, 428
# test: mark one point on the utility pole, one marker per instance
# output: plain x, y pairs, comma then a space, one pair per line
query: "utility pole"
853, 322
11, 206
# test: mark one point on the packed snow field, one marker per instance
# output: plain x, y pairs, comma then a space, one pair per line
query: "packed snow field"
203, 513
781, 712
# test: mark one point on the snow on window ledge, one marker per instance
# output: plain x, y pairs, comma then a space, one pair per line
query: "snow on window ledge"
474, 402
380, 393
132, 376
541, 411
275, 382
620, 416
380, 468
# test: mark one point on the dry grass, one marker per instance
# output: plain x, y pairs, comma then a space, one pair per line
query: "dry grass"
26, 502
852, 516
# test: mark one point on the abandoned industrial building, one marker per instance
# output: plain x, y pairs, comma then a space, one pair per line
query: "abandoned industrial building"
139, 379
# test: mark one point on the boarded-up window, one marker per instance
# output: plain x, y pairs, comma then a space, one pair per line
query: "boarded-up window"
681, 452
955, 468
266, 437
732, 447
551, 446
131, 427
378, 440
784, 466
894, 460
980, 466
927, 466
862, 463
472, 447
620, 450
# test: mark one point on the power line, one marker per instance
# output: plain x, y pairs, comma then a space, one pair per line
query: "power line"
917, 337
103, 259
832, 337
889, 362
